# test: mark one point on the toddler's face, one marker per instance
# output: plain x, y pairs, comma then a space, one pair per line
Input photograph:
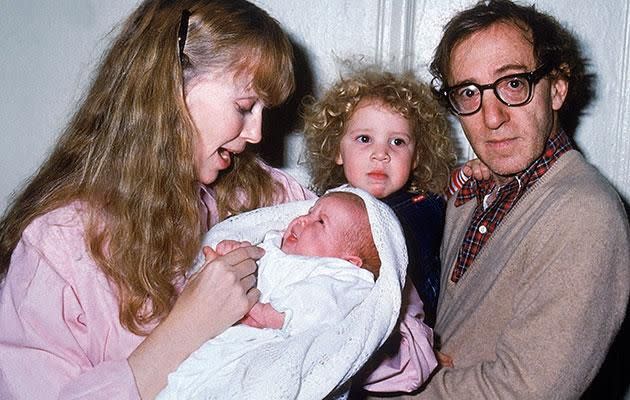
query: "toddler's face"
320, 232
377, 150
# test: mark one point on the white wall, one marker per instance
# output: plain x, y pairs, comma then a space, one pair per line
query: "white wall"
50, 48
404, 33
48, 51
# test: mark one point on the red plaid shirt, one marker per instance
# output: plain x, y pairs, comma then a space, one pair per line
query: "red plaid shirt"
486, 220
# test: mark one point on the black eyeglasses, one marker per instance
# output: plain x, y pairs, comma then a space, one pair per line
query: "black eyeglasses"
182, 33
512, 90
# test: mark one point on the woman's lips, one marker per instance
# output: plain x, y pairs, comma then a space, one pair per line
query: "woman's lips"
225, 156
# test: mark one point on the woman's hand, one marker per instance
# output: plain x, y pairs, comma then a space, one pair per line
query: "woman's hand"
214, 298
225, 246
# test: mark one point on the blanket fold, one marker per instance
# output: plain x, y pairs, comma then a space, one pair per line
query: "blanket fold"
319, 362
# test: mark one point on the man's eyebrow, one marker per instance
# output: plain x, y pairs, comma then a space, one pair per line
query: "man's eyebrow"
502, 70
511, 67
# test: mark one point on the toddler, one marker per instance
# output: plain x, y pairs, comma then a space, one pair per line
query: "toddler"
386, 134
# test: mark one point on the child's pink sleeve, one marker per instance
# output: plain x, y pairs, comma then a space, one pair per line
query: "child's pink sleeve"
406, 369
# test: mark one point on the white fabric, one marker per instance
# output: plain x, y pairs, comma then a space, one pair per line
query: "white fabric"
311, 291
316, 362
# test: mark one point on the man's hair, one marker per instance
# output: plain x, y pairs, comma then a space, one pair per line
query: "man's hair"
358, 236
326, 119
553, 46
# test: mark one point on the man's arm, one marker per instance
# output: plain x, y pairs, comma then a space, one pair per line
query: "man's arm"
566, 310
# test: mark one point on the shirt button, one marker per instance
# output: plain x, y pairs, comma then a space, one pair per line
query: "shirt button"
483, 229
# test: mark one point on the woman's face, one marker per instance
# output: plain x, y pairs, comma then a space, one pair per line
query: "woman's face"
228, 114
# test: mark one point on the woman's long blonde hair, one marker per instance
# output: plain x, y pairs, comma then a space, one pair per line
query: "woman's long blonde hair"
128, 151
325, 122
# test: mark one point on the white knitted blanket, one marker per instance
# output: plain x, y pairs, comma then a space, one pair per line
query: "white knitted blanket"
318, 363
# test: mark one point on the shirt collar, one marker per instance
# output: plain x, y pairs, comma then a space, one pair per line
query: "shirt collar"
554, 148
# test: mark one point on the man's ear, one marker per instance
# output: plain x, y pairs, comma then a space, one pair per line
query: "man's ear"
339, 159
559, 86
354, 260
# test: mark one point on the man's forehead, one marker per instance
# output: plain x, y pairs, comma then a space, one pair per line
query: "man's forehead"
500, 48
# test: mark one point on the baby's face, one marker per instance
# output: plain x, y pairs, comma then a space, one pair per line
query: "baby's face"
321, 231
377, 151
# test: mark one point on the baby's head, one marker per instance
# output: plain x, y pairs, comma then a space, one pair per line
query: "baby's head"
380, 132
336, 226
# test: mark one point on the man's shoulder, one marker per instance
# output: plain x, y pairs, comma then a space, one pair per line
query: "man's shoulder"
573, 176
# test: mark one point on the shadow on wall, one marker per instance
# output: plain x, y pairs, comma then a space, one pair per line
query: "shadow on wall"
582, 92
281, 121
613, 380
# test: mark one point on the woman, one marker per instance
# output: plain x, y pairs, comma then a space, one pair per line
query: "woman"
94, 250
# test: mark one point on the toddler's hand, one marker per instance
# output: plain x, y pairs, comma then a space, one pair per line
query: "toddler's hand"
476, 169
444, 361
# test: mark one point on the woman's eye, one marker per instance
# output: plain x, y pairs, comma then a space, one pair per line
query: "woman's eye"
245, 108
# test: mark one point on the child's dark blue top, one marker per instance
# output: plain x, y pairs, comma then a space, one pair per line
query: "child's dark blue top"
422, 220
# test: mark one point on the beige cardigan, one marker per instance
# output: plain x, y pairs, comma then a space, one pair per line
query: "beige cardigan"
533, 316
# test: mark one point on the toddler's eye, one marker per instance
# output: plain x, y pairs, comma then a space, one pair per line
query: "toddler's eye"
363, 139
398, 142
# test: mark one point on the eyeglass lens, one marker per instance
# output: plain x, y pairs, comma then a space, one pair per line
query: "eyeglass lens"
512, 90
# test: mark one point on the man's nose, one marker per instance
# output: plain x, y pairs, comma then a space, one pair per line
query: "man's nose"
494, 112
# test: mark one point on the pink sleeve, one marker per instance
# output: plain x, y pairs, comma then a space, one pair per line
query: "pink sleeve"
60, 335
292, 191
407, 359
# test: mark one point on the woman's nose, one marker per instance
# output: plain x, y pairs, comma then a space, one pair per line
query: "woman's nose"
252, 130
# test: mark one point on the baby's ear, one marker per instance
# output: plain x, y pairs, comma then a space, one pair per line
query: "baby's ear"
354, 260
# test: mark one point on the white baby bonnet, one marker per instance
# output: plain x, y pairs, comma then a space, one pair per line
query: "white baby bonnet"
319, 363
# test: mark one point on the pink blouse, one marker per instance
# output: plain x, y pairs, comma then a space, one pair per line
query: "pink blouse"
60, 335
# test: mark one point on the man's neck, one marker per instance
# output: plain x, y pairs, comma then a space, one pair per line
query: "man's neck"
502, 180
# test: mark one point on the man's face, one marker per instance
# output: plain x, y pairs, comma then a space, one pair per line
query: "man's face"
507, 139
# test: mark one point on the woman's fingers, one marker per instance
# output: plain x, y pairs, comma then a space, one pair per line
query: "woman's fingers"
243, 260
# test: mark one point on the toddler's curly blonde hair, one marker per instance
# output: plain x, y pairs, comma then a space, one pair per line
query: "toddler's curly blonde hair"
325, 123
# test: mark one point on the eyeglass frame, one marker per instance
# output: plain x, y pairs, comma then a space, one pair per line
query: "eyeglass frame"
532, 78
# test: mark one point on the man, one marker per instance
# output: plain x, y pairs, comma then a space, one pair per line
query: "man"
536, 268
